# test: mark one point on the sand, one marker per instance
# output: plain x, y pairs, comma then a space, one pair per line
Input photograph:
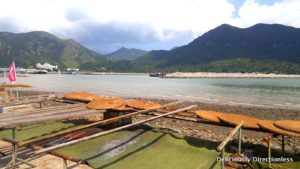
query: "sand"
228, 75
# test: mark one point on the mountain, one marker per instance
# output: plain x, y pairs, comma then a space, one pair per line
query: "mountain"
262, 47
126, 54
27, 49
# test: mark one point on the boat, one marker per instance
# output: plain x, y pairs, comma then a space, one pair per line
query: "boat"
36, 71
73, 71
157, 74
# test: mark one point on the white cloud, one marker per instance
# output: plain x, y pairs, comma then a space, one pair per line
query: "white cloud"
164, 19
284, 12
178, 15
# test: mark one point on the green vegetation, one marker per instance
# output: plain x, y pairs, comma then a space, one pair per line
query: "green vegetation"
126, 54
242, 65
146, 149
27, 49
260, 48
149, 149
32, 131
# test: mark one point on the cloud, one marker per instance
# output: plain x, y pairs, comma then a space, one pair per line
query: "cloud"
74, 15
283, 12
109, 24
7, 24
110, 36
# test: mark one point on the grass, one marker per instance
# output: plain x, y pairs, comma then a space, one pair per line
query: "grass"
32, 131
146, 149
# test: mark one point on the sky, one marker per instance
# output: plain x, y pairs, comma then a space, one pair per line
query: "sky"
106, 25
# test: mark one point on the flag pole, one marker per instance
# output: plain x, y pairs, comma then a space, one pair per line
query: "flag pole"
17, 92
13, 77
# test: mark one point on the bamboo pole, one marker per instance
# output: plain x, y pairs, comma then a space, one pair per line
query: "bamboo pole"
55, 153
178, 116
52, 108
229, 137
35, 96
222, 158
56, 117
24, 116
282, 145
14, 150
65, 164
269, 152
35, 100
110, 131
108, 121
23, 102
240, 141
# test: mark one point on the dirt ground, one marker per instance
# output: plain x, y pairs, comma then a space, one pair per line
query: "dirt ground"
4, 144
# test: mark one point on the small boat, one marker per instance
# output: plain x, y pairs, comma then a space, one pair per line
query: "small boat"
157, 74
36, 71
153, 74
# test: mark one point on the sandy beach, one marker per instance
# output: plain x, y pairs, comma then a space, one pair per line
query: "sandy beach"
228, 75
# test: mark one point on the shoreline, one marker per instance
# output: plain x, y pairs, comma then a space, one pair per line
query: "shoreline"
101, 73
206, 102
228, 75
188, 75
262, 112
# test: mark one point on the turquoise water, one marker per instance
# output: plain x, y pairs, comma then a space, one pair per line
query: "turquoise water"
277, 92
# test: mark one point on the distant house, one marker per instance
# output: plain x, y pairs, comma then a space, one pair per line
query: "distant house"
46, 66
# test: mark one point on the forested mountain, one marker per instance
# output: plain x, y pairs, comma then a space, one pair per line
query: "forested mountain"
29, 48
262, 47
126, 54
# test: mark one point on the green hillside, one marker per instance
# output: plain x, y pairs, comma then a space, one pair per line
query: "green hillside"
262, 47
126, 54
27, 49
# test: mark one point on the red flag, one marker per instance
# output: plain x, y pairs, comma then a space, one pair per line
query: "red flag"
12, 73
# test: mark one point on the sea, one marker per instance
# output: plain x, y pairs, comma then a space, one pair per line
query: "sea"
262, 92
